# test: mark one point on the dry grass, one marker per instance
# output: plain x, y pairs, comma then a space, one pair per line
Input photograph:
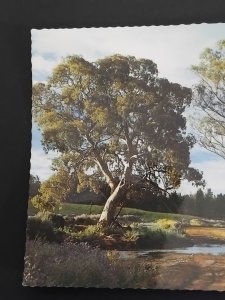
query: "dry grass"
80, 265
206, 232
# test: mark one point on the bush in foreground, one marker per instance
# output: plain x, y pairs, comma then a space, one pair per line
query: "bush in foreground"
79, 265
154, 237
41, 229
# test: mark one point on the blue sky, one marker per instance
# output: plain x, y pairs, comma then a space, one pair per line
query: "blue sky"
173, 48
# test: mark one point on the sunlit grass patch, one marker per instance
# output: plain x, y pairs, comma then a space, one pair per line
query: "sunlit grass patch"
167, 224
196, 222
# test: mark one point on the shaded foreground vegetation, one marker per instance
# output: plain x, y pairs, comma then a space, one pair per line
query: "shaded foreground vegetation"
79, 265
69, 249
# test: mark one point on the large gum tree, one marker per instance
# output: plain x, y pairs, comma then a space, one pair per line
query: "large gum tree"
117, 123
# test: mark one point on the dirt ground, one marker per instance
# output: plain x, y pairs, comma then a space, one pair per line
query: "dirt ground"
189, 271
206, 232
192, 271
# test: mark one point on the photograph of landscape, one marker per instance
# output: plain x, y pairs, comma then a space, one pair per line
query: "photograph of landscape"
128, 158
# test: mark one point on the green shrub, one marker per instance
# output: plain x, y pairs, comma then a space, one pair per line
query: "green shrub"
90, 233
43, 229
153, 237
167, 224
56, 220
42, 215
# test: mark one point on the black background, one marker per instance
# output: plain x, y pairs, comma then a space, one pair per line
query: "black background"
17, 17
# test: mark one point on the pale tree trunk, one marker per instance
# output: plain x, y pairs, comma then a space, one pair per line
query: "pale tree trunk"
109, 210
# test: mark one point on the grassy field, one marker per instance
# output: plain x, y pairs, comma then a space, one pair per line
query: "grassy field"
147, 216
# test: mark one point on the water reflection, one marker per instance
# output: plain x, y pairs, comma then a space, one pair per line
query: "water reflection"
157, 253
200, 267
203, 249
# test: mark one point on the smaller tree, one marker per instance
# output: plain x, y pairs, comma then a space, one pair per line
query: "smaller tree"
58, 188
210, 99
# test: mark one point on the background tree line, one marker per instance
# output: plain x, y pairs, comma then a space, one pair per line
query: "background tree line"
202, 204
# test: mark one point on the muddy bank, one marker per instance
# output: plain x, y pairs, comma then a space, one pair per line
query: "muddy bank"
188, 271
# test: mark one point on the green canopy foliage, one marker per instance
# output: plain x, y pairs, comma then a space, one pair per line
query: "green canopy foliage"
112, 113
57, 188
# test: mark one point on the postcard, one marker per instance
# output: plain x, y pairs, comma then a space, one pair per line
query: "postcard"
128, 158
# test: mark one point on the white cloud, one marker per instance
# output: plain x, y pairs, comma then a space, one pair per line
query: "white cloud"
42, 67
214, 174
41, 163
173, 48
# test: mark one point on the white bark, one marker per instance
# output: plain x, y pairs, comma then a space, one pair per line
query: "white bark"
105, 171
109, 210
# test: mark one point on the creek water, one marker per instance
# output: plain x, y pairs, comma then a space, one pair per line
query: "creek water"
197, 249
